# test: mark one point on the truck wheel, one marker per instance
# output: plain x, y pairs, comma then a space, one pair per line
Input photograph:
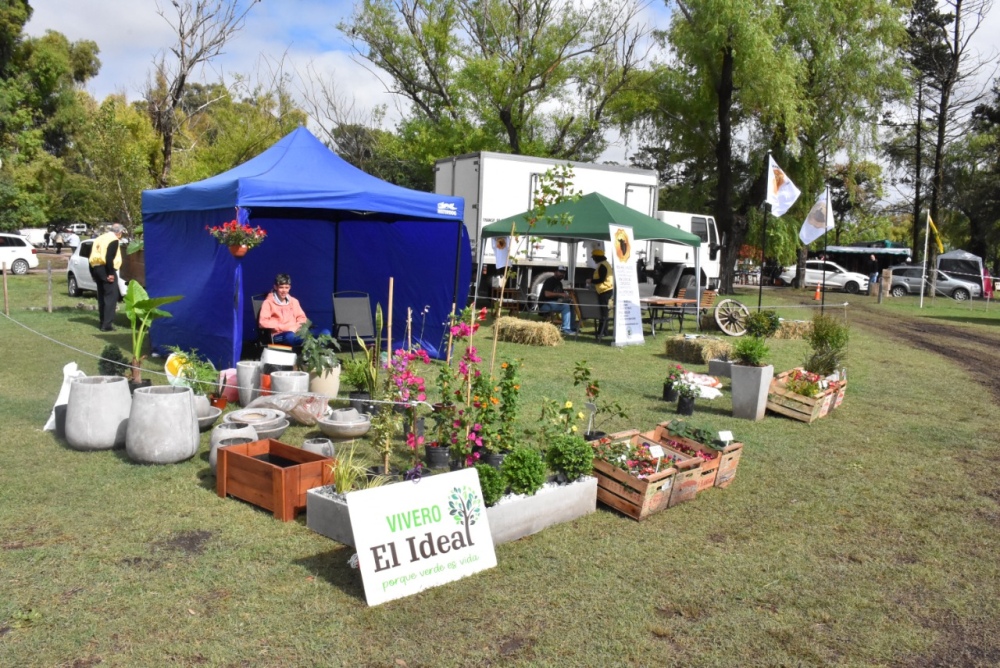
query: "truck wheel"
687, 284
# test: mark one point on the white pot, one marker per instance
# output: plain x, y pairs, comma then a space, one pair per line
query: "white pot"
97, 412
162, 425
750, 385
289, 382
226, 431
327, 385
248, 380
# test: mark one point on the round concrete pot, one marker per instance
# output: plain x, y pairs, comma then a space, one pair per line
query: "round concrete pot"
97, 412
321, 446
327, 385
162, 426
248, 380
226, 431
289, 382
202, 406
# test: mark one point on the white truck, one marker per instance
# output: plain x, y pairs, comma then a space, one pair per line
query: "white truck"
672, 265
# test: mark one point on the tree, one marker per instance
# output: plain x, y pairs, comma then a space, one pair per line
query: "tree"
544, 77
203, 28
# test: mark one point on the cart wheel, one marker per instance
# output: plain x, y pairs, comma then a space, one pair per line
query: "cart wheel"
731, 315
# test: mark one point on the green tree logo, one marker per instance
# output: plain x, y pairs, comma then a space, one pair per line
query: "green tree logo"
465, 506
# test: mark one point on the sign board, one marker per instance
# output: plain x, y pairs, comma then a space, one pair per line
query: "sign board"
628, 311
413, 536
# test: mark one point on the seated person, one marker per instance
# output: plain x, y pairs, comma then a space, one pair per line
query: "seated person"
282, 314
553, 297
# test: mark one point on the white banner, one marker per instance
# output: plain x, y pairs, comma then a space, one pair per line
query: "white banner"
413, 536
628, 310
501, 250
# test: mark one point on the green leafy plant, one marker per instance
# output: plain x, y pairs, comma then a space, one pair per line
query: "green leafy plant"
570, 456
348, 474
524, 470
604, 410
750, 351
142, 310
695, 433
318, 354
492, 482
762, 324
353, 373
372, 356
687, 390
197, 372
675, 373
113, 361
828, 340
386, 424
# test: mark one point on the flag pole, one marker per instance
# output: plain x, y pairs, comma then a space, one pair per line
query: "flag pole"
763, 256
923, 270
826, 233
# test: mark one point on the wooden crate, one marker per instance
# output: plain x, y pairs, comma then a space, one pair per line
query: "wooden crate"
718, 472
278, 485
800, 407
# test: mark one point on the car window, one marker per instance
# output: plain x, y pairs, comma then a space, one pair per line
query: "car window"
3, 241
85, 248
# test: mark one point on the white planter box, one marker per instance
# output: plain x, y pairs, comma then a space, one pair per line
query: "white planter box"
514, 517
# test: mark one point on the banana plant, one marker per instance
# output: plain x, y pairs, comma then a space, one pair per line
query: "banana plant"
142, 310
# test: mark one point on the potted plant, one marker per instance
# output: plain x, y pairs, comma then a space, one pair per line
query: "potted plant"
318, 357
601, 411
686, 395
142, 310
675, 374
239, 237
810, 393
112, 361
202, 377
492, 482
367, 370
570, 457
751, 378
524, 470
828, 341
352, 374
326, 507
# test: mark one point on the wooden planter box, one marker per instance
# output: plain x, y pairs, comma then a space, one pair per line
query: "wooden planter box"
271, 474
718, 472
800, 407
638, 498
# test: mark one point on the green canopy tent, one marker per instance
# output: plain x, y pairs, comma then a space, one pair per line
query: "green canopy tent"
588, 220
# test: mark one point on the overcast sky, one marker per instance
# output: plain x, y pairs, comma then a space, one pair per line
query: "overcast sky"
297, 33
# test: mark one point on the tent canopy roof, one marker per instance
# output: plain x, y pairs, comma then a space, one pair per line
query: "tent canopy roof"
299, 172
590, 216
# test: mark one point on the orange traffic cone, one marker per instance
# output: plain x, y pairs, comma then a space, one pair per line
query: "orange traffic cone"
816, 296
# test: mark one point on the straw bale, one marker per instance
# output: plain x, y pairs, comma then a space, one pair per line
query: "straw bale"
697, 350
528, 332
793, 329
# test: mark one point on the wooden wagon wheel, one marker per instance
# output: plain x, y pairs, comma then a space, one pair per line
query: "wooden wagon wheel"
731, 316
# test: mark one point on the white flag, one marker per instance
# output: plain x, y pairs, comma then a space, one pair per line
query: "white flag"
501, 249
819, 220
781, 192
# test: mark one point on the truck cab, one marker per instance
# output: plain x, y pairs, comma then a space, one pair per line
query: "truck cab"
672, 265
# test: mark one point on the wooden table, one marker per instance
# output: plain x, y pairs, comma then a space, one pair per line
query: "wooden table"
665, 309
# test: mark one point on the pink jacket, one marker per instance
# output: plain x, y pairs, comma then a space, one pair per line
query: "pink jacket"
280, 318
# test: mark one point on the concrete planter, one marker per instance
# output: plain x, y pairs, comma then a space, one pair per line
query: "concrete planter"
327, 385
201, 405
162, 425
248, 380
720, 368
289, 382
224, 432
750, 385
97, 412
512, 518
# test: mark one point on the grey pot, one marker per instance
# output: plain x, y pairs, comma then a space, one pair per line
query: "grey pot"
248, 380
162, 425
202, 406
720, 368
750, 385
226, 431
321, 446
289, 382
97, 412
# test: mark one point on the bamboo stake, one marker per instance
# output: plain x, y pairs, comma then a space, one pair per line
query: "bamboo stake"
409, 328
388, 339
451, 337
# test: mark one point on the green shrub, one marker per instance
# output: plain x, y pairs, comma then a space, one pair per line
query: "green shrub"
762, 324
524, 470
492, 482
113, 361
353, 373
571, 456
750, 351
828, 340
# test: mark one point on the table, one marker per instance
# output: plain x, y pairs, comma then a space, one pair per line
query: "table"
665, 309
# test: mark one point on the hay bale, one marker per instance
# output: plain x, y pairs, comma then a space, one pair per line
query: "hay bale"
528, 332
697, 350
793, 329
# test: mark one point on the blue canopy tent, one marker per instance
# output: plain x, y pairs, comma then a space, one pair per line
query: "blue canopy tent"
329, 225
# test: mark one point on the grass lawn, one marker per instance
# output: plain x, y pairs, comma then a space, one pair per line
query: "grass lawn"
867, 538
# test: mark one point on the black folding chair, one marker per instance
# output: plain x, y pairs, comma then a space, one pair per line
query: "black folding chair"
352, 317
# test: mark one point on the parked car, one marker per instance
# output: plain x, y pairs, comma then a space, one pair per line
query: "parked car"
78, 276
906, 281
836, 276
79, 228
17, 253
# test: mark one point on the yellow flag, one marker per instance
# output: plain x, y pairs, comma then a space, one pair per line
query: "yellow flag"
937, 235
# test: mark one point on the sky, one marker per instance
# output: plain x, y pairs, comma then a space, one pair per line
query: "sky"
301, 35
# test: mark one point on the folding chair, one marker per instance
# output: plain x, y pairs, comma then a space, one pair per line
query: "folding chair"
352, 317
264, 336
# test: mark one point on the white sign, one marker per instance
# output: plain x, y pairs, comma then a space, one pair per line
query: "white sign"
628, 311
725, 436
411, 536
656, 451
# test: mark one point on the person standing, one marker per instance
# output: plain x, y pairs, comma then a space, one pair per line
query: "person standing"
553, 297
60, 240
105, 261
604, 284
871, 268
73, 241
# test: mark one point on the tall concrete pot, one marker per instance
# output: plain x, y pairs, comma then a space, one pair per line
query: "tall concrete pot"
226, 431
289, 382
97, 412
750, 385
163, 426
248, 380
327, 385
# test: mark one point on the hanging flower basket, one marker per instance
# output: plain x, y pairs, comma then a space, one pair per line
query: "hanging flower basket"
240, 238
